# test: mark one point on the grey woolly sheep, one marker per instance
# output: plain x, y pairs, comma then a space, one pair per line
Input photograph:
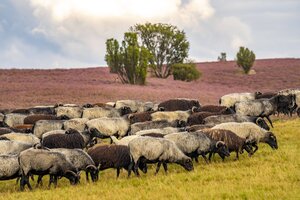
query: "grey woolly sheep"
251, 132
75, 123
69, 111
43, 126
12, 147
32, 119
134, 105
160, 150
9, 167
229, 100
21, 137
44, 162
14, 119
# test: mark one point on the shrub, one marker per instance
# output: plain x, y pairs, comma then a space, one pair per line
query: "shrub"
185, 72
245, 59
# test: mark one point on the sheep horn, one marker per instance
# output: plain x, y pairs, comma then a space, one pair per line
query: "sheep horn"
91, 166
130, 116
71, 172
269, 121
257, 120
219, 142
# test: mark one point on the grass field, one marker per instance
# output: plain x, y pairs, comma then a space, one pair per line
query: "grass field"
269, 174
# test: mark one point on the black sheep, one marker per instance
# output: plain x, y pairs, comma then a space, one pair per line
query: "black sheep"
179, 104
216, 109
72, 139
140, 117
232, 141
32, 119
114, 156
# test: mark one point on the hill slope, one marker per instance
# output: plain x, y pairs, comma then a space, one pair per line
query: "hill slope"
24, 88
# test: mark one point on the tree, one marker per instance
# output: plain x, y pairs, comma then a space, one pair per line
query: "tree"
129, 61
222, 57
167, 44
185, 72
245, 59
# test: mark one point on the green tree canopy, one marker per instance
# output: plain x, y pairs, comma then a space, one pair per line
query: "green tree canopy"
245, 59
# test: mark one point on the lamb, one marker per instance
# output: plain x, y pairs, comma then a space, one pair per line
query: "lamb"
194, 145
106, 127
114, 156
12, 147
69, 111
72, 139
43, 126
179, 104
263, 107
251, 132
218, 119
135, 106
232, 141
32, 119
9, 167
43, 162
163, 151
75, 123
98, 112
14, 119
230, 99
81, 160
20, 137
155, 125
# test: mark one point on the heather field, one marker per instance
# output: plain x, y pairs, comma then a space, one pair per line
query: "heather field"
269, 174
25, 88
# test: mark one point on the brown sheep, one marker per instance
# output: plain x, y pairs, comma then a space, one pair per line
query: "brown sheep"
179, 104
31, 119
197, 127
216, 109
232, 141
140, 117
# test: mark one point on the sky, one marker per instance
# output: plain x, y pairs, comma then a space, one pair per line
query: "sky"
72, 33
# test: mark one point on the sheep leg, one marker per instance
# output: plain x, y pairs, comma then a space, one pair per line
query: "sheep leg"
255, 147
196, 159
136, 170
17, 181
87, 176
209, 156
55, 181
118, 172
237, 155
39, 181
27, 182
51, 180
22, 183
129, 169
157, 167
207, 162
165, 167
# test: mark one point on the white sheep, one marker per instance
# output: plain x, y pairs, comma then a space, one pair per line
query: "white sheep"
75, 123
43, 126
13, 147
124, 141
14, 119
163, 131
109, 126
98, 112
229, 100
251, 132
69, 111
21, 137
134, 105
171, 115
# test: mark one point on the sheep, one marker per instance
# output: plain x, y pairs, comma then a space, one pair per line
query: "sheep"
1, 117
163, 131
124, 140
266, 95
32, 119
251, 132
296, 93
114, 156
81, 160
218, 119
232, 141
155, 125
198, 117
43, 162
140, 117
71, 139
42, 110
12, 147
179, 104
53, 133
158, 135
24, 128
197, 127
14, 119
98, 112
216, 109
22, 111
4, 130
194, 145
75, 123
106, 127
163, 151
135, 106
172, 115
262, 107
69, 111
20, 137
9, 167
229, 100
43, 126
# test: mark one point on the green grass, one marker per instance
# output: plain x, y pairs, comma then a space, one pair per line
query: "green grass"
269, 174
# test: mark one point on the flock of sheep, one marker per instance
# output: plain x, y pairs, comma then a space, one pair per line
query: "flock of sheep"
61, 140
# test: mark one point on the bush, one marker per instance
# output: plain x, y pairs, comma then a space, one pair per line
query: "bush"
185, 72
245, 59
